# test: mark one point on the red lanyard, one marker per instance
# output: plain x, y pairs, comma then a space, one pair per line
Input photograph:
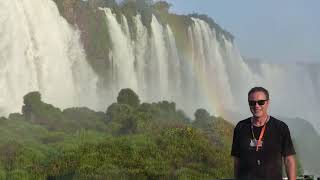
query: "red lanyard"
261, 133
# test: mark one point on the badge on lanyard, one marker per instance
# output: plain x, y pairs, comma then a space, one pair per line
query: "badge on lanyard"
258, 143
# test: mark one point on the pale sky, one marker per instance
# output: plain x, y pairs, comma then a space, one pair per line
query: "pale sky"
271, 30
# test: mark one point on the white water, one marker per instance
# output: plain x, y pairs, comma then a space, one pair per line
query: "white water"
147, 61
152, 62
159, 53
174, 67
209, 65
39, 51
123, 70
123, 55
212, 75
141, 49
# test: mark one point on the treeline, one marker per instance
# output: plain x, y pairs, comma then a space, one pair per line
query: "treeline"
130, 140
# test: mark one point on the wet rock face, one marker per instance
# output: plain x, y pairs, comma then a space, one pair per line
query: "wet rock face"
68, 8
85, 17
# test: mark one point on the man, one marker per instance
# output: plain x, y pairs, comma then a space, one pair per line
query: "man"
261, 142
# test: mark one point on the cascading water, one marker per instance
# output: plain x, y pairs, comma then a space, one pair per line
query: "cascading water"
150, 62
160, 55
209, 66
174, 67
123, 69
140, 49
213, 75
39, 51
147, 71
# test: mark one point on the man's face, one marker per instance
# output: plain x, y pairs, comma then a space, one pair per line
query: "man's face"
258, 110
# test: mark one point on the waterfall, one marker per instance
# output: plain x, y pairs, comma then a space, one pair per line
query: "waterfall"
39, 51
174, 67
150, 62
145, 71
209, 66
160, 56
212, 75
123, 69
140, 49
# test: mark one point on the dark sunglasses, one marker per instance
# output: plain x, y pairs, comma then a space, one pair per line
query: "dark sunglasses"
260, 102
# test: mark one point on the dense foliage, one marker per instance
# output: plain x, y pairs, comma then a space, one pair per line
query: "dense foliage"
131, 140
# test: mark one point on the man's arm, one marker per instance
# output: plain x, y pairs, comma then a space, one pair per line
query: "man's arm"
236, 167
290, 164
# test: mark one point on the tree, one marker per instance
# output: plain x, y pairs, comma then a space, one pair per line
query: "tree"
162, 6
31, 101
167, 106
117, 112
129, 97
202, 118
32, 98
120, 117
36, 111
201, 114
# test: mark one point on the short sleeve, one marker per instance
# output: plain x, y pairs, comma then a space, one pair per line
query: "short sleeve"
235, 150
287, 145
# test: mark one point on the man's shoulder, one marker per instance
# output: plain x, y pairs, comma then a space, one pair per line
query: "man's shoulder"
277, 122
243, 123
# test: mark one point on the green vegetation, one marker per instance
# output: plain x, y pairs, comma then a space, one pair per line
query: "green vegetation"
131, 140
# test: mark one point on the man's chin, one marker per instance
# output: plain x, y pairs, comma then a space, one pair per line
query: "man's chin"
257, 115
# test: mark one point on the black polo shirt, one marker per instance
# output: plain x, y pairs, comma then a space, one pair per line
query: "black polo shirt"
266, 163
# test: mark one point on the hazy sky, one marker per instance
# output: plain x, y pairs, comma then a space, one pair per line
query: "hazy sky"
271, 30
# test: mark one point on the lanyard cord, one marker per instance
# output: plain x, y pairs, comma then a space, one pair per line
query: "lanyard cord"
261, 133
